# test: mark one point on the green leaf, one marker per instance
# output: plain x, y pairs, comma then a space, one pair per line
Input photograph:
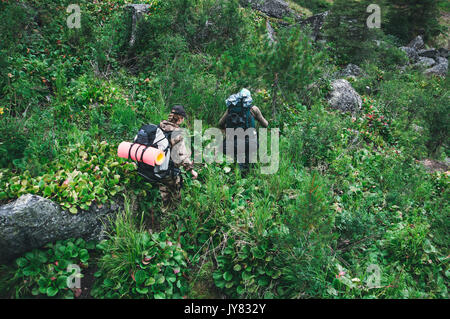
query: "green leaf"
73, 210
51, 291
160, 279
220, 283
61, 282
160, 295
263, 281
140, 277
150, 281
142, 291
21, 262
84, 255
47, 191
237, 267
227, 276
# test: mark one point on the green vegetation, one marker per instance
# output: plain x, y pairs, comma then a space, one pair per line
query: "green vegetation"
136, 264
45, 273
350, 199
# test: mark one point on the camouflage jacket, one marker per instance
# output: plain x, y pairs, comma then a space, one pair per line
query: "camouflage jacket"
179, 153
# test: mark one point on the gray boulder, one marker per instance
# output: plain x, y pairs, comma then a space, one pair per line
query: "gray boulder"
344, 97
273, 8
270, 32
136, 11
429, 53
412, 54
425, 62
417, 43
440, 69
316, 23
443, 52
351, 70
33, 221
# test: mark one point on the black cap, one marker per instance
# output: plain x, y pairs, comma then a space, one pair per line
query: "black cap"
179, 109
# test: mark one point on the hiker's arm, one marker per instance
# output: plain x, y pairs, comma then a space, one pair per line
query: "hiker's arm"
181, 157
222, 119
256, 112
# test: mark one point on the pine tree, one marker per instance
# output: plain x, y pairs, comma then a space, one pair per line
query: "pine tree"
347, 29
409, 18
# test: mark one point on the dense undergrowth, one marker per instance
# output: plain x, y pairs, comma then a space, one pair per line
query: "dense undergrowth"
350, 213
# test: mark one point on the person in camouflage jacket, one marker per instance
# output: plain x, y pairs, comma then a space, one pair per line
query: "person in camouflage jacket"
170, 188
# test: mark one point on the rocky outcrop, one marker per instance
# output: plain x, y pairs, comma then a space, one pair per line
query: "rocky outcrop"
344, 97
351, 70
440, 69
270, 32
417, 43
429, 53
412, 54
136, 11
315, 23
33, 221
443, 52
425, 62
433, 61
273, 8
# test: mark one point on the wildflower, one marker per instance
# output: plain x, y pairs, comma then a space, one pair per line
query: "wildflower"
169, 243
1, 111
176, 271
53, 278
147, 80
341, 273
10, 75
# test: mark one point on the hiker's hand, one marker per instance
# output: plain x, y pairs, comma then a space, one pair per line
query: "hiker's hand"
194, 174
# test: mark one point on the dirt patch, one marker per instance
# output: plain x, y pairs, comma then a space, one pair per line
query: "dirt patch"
87, 282
434, 166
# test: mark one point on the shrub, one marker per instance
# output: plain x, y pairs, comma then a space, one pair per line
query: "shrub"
137, 264
346, 28
407, 19
47, 272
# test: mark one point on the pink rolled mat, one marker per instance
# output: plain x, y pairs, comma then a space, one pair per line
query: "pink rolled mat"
152, 156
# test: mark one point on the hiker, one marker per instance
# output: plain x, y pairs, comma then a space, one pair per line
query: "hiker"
170, 187
241, 113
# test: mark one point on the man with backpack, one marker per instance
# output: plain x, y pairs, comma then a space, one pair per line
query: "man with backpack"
241, 113
170, 187
168, 138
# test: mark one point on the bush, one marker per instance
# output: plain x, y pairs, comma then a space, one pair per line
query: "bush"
345, 27
407, 19
137, 264
47, 272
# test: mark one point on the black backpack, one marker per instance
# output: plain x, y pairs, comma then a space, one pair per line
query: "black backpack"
239, 116
152, 135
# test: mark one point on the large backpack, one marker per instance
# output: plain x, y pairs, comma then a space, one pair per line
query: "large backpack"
239, 115
152, 135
